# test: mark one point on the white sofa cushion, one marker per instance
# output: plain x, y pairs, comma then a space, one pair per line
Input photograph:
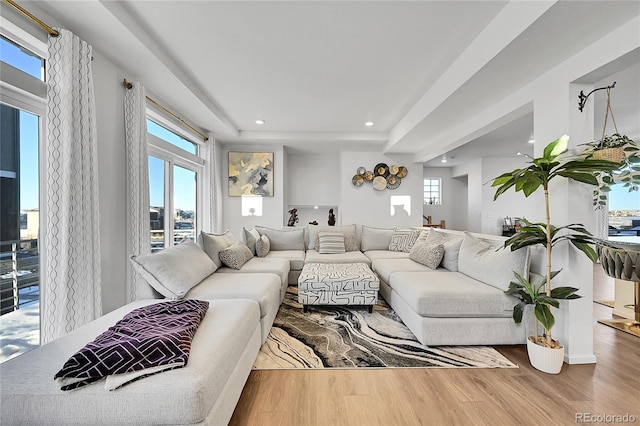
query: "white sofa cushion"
451, 295
374, 255
385, 268
278, 266
375, 238
490, 263
348, 257
284, 239
251, 237
295, 257
212, 244
236, 255
172, 272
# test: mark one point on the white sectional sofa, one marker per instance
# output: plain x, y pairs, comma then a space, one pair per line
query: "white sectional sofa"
457, 301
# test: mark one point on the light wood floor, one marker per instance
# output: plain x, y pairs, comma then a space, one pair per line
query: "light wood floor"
455, 396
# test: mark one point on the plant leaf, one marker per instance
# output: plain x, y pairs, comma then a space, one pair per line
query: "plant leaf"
544, 316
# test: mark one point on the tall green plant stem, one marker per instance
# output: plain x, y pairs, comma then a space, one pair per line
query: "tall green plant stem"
547, 333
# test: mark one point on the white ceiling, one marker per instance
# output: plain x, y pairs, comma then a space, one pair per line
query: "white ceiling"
317, 70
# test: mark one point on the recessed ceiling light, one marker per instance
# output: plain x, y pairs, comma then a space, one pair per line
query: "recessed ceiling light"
260, 122
369, 123
444, 159
532, 140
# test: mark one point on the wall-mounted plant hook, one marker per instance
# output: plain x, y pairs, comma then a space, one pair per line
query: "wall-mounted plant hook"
582, 98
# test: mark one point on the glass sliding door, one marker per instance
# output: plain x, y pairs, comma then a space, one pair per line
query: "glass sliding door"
19, 232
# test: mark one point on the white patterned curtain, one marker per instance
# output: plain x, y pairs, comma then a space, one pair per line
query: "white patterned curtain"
138, 229
212, 187
71, 295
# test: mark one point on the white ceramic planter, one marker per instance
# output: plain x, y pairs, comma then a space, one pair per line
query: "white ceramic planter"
548, 360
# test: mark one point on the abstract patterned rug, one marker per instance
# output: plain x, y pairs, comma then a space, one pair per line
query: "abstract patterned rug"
351, 337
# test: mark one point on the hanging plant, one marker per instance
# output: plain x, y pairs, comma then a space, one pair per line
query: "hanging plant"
619, 149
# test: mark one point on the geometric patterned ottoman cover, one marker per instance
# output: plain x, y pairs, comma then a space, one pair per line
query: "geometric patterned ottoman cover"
337, 284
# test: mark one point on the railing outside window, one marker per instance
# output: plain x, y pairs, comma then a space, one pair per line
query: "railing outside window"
19, 274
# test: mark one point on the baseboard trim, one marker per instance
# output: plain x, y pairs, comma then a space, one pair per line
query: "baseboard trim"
580, 359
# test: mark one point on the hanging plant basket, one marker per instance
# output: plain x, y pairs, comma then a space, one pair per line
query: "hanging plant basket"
610, 154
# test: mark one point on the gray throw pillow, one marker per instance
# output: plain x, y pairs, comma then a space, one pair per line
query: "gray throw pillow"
251, 237
263, 246
427, 254
284, 239
331, 243
375, 238
174, 271
403, 239
236, 255
212, 244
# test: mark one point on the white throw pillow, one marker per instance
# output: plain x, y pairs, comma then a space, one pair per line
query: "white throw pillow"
451, 245
490, 263
375, 238
214, 243
331, 243
403, 239
284, 239
263, 246
174, 271
236, 255
427, 254
251, 237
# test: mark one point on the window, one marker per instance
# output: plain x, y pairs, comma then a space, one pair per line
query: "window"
22, 104
20, 58
175, 171
433, 191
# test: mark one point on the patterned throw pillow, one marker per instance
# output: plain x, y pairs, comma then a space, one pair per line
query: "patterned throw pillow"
236, 255
263, 246
330, 243
427, 254
403, 239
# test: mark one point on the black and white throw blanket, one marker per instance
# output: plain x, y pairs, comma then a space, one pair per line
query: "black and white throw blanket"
146, 341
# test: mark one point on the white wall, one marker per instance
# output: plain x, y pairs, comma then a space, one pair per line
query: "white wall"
365, 205
473, 171
313, 179
109, 95
273, 208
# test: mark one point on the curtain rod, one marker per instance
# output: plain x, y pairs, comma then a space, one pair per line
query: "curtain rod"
47, 28
204, 137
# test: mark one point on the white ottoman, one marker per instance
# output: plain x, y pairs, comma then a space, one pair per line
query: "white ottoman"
338, 284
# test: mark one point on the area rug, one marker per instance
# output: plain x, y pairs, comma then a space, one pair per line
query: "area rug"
351, 337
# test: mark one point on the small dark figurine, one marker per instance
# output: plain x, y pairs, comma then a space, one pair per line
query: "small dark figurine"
315, 222
332, 218
293, 219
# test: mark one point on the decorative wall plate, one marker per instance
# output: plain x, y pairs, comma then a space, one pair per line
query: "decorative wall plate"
381, 169
402, 172
368, 176
393, 169
357, 180
361, 171
393, 182
379, 183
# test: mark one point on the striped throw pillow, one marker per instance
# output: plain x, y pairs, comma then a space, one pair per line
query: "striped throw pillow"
403, 239
331, 243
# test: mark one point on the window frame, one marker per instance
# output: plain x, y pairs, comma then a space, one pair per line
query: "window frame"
439, 191
173, 155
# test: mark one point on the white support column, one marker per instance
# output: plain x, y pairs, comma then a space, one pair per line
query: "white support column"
556, 113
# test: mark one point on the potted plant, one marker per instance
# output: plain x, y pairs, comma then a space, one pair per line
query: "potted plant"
545, 353
621, 150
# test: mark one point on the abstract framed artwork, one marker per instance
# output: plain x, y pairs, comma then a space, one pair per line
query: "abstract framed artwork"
250, 173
